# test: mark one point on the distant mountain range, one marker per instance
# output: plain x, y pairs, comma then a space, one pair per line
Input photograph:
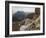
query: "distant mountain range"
20, 15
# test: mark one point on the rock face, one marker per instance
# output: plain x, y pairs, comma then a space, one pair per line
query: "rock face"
19, 15
26, 26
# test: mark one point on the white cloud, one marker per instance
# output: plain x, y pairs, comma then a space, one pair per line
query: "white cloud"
25, 9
